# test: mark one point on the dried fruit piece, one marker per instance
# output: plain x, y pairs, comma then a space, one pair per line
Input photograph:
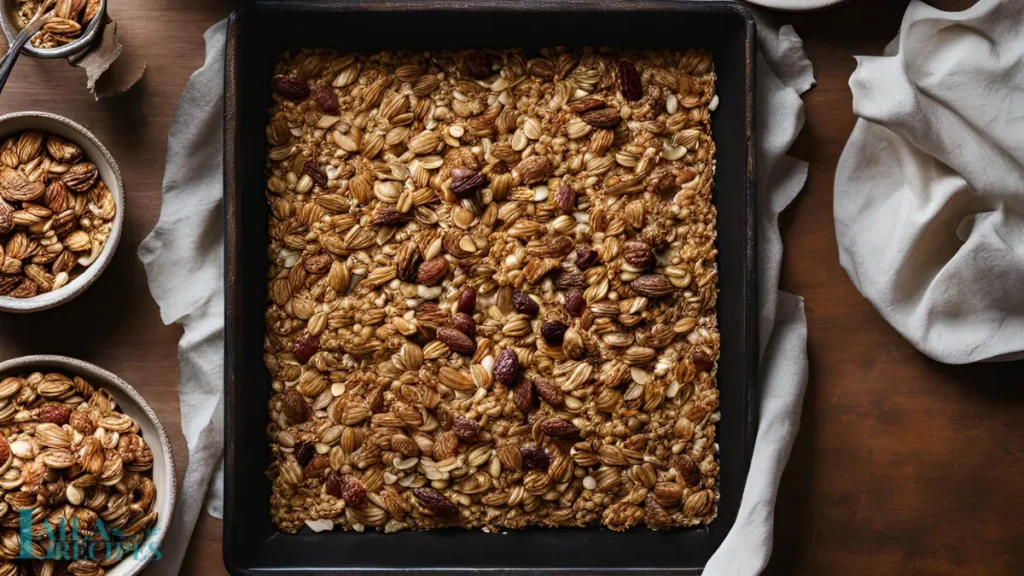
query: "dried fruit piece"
559, 428
548, 391
524, 304
605, 118
575, 303
318, 263
304, 452
55, 413
319, 176
506, 368
522, 396
465, 428
290, 87
687, 469
432, 271
586, 104
653, 285
566, 197
306, 347
585, 257
467, 300
629, 81
456, 341
702, 361
464, 323
534, 457
326, 99
334, 485
391, 217
466, 182
435, 501
553, 331
477, 65
352, 491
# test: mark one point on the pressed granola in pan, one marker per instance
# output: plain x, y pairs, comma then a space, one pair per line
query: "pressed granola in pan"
492, 290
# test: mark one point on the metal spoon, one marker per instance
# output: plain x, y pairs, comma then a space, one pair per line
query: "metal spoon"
7, 64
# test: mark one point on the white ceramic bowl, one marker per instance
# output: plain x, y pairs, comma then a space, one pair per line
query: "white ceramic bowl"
131, 403
93, 152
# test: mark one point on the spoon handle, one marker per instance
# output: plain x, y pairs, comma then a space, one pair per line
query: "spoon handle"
19, 42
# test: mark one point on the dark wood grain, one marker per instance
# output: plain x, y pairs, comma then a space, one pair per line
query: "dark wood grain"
902, 466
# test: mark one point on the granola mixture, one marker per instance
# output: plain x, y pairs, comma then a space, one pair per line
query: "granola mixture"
69, 20
492, 290
55, 214
68, 454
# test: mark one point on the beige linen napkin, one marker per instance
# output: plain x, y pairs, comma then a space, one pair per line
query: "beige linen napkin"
929, 192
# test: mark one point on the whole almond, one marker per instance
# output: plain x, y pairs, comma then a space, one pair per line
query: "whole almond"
290, 88
534, 169
294, 407
435, 501
467, 300
548, 391
605, 118
445, 445
653, 286
586, 104
559, 428
404, 445
456, 341
432, 271
464, 323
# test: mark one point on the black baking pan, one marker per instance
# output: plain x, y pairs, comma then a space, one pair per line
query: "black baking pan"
257, 36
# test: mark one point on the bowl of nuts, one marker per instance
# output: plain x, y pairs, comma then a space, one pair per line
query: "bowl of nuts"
61, 210
87, 481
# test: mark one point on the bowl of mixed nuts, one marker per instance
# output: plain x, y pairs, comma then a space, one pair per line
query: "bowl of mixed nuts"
87, 479
74, 27
61, 210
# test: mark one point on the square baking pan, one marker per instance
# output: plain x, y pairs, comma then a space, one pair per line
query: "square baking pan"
258, 34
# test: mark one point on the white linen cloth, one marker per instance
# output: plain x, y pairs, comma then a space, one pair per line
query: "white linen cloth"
929, 192
183, 257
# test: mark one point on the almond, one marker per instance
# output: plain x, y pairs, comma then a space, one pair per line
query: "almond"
534, 169
653, 285
432, 271
605, 118
456, 341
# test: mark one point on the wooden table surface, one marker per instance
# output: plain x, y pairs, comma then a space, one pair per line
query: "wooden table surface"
902, 465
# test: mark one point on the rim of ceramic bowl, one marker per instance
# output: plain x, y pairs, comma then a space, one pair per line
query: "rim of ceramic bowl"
79, 285
88, 38
101, 378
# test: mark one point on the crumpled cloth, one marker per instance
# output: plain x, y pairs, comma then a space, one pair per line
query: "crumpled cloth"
184, 259
929, 192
